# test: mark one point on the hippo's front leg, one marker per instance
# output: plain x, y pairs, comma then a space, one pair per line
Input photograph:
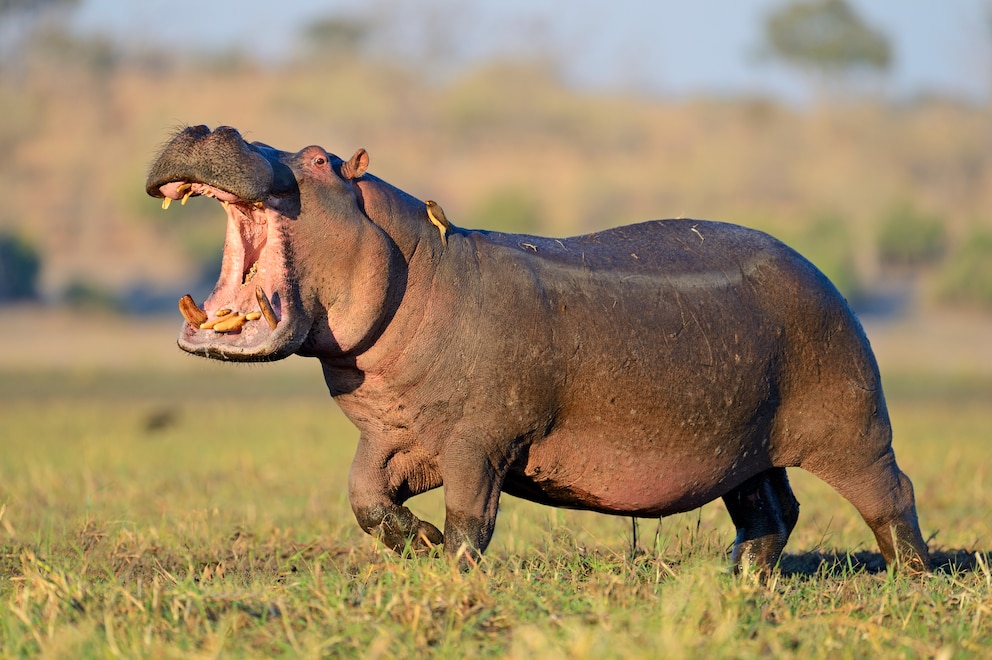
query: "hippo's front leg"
473, 479
378, 484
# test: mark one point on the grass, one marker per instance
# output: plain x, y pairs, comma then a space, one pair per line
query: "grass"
177, 516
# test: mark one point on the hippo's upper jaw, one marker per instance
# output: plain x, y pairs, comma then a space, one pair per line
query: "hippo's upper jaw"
254, 312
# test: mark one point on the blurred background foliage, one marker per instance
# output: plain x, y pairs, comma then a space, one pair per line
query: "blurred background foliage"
873, 191
910, 239
19, 267
967, 278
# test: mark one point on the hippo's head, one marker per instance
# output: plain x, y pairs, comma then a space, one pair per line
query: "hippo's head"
299, 247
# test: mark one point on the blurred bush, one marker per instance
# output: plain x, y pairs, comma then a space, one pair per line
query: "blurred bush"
84, 295
908, 238
20, 264
96, 55
825, 241
966, 278
509, 210
197, 229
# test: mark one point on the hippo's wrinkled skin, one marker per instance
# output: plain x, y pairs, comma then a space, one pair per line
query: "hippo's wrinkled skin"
644, 370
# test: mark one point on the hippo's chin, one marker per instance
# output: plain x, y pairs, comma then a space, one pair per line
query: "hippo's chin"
254, 313
247, 345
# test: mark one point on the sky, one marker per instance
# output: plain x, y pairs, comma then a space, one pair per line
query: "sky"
669, 47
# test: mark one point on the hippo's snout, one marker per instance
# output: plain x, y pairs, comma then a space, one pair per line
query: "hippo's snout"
222, 160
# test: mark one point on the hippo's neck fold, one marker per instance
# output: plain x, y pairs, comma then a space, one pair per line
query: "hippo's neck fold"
357, 278
402, 216
375, 296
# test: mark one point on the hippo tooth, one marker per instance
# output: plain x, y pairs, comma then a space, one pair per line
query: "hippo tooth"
191, 311
165, 203
266, 308
223, 312
253, 316
183, 187
214, 322
230, 324
226, 204
186, 198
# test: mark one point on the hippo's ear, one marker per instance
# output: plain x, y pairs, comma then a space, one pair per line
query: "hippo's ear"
356, 167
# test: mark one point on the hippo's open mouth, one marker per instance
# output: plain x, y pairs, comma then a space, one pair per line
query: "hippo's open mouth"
254, 313
248, 317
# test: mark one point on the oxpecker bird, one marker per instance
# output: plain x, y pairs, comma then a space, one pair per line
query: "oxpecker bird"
436, 215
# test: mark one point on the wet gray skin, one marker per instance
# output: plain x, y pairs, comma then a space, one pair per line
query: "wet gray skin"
644, 370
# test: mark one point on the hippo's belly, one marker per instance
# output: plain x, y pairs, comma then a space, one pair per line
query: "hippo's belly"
651, 475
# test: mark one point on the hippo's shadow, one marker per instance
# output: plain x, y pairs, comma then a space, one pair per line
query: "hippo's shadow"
840, 563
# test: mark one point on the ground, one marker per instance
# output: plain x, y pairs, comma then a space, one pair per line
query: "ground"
158, 505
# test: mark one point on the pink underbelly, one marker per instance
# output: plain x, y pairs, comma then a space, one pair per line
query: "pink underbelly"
643, 477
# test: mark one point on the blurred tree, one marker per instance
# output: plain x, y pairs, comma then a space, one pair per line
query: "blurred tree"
10, 7
20, 264
20, 20
825, 37
988, 33
96, 54
337, 35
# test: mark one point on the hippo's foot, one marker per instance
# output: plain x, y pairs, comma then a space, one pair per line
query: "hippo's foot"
399, 529
764, 510
900, 540
905, 550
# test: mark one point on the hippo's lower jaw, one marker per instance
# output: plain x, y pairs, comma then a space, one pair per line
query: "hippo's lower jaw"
253, 313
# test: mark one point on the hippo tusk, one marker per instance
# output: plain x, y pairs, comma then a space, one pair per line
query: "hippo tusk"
266, 308
191, 311
165, 203
253, 316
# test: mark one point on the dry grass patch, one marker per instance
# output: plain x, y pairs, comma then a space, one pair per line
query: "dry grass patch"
225, 530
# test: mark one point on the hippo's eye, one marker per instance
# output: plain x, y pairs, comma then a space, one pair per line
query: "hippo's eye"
318, 160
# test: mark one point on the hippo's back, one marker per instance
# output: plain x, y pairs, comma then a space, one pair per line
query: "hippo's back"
678, 246
675, 267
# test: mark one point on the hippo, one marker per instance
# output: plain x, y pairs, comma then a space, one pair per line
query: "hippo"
641, 371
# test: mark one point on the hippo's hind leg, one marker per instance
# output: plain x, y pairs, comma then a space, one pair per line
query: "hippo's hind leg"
883, 495
764, 511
